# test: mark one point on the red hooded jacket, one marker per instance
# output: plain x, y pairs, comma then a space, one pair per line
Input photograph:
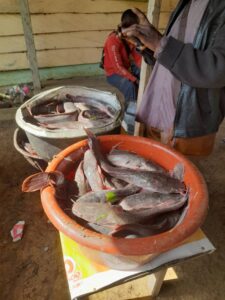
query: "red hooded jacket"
116, 59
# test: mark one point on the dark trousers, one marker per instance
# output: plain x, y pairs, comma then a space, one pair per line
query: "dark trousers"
128, 88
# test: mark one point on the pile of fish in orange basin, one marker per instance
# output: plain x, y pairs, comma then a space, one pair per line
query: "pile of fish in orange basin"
120, 193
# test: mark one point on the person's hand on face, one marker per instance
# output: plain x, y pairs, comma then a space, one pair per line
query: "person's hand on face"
144, 31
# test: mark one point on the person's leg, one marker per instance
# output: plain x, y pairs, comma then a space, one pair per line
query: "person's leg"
129, 90
126, 87
135, 70
130, 116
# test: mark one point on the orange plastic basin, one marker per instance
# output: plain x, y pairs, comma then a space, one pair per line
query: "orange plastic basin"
165, 156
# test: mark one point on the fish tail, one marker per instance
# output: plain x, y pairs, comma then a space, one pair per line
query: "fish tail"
35, 182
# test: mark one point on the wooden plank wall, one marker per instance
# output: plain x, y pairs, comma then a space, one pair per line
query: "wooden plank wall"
68, 32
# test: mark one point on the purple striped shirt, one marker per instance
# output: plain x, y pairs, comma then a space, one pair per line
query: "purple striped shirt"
158, 105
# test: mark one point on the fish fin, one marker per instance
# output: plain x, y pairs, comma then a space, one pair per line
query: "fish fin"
93, 143
40, 180
115, 147
35, 182
56, 178
178, 171
89, 133
101, 176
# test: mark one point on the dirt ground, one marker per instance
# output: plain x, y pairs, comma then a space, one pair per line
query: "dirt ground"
32, 269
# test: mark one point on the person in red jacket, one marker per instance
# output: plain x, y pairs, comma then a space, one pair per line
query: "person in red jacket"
122, 61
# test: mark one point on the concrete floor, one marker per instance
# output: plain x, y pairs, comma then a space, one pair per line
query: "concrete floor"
33, 268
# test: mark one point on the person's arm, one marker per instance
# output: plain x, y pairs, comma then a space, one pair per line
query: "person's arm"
117, 62
194, 67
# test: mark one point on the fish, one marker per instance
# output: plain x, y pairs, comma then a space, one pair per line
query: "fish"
104, 107
99, 207
138, 230
92, 171
108, 196
151, 226
57, 117
41, 180
93, 113
149, 204
70, 113
72, 121
69, 124
126, 159
94, 119
163, 223
103, 214
80, 179
113, 183
47, 108
64, 188
153, 181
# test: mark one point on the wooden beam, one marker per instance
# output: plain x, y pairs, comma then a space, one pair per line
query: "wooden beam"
168, 5
153, 16
31, 52
155, 282
72, 6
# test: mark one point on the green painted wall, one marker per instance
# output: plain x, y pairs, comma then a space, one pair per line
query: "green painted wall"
24, 76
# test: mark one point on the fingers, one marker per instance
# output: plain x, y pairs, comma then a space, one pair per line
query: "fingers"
136, 30
132, 40
143, 19
147, 35
131, 31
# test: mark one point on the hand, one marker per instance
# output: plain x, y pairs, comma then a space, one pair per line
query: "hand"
144, 31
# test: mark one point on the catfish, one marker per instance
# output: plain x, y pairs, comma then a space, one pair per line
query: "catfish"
57, 117
92, 171
149, 180
106, 108
41, 180
81, 180
148, 203
108, 196
126, 159
103, 214
64, 188
163, 223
